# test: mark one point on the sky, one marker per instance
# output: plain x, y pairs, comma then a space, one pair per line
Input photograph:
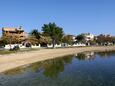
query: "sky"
74, 16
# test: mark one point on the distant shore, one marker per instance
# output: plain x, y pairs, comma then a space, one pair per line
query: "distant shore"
14, 60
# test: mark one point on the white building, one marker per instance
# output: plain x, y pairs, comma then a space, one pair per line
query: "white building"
88, 36
74, 38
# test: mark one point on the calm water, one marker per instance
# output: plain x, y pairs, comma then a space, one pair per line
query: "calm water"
84, 69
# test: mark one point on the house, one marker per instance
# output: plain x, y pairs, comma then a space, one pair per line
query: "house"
19, 32
88, 36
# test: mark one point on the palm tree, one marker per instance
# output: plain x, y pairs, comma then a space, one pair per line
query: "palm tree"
35, 33
35, 36
53, 31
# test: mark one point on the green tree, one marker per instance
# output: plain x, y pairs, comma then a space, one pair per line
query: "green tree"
53, 31
80, 38
35, 33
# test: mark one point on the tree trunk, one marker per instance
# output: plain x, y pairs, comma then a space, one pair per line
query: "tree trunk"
53, 43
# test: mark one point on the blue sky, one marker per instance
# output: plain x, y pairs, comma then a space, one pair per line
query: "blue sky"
75, 16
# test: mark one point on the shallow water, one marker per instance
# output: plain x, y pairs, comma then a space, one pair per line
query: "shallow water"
84, 69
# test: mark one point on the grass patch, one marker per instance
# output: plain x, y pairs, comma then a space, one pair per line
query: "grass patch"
3, 52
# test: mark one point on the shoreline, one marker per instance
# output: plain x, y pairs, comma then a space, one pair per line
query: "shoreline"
11, 61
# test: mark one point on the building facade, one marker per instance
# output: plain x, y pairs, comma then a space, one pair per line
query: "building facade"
17, 32
88, 36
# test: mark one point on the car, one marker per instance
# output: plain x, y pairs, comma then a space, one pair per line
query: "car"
2, 48
15, 48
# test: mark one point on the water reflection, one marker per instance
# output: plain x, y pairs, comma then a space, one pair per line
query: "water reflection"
16, 71
83, 69
92, 55
106, 54
85, 56
53, 68
50, 68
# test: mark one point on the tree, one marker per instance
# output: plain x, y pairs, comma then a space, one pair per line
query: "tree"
105, 39
35, 36
9, 39
113, 40
67, 39
53, 31
80, 38
45, 39
35, 33
33, 40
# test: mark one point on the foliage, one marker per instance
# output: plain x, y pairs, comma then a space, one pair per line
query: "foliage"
38, 38
34, 37
35, 33
45, 39
53, 31
33, 40
92, 42
67, 39
10, 39
80, 38
105, 39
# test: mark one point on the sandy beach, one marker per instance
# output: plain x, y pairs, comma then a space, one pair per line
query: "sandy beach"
11, 61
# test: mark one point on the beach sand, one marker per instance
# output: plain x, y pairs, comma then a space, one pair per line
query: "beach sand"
11, 61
